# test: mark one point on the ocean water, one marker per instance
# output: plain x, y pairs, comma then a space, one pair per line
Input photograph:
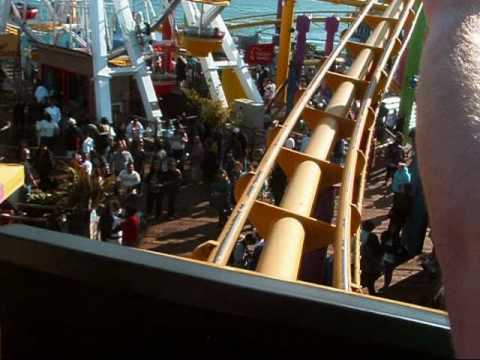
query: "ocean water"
249, 9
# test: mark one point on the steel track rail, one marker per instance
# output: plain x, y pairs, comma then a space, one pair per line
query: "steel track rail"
350, 187
222, 248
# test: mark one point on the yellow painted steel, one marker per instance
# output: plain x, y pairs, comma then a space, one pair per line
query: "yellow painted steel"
12, 177
199, 46
288, 228
46, 26
121, 61
212, 2
284, 53
221, 250
302, 188
12, 29
232, 86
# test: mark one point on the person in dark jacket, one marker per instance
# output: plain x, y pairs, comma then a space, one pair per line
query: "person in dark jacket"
372, 256
171, 181
220, 196
44, 166
154, 185
395, 155
105, 224
72, 137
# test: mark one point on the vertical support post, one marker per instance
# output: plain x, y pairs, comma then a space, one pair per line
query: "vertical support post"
4, 14
147, 12
331, 27
101, 70
209, 66
303, 27
285, 41
412, 69
200, 23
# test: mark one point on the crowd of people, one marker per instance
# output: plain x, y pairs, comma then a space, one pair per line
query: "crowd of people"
150, 173
382, 256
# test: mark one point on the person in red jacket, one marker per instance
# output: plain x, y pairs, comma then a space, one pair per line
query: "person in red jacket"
131, 227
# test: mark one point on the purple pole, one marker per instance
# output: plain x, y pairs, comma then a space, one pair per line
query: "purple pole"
303, 27
331, 26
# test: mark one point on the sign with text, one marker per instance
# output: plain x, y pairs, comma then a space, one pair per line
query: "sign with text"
260, 54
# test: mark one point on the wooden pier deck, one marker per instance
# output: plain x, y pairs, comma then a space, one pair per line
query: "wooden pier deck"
196, 223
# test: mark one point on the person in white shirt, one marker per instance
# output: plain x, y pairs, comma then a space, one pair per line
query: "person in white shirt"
54, 112
269, 90
135, 130
290, 143
88, 145
86, 165
41, 94
128, 179
46, 129
178, 143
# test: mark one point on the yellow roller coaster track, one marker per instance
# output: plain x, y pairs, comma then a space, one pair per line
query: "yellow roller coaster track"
289, 229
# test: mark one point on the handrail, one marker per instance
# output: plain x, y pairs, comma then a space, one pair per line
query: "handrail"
363, 177
267, 22
342, 263
358, 3
406, 41
298, 12
228, 237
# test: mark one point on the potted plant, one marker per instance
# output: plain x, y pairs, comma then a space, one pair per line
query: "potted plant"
210, 111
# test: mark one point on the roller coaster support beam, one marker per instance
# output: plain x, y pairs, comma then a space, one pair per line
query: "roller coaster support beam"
209, 65
220, 251
53, 15
284, 244
168, 11
412, 69
209, 69
284, 54
212, 14
135, 52
101, 70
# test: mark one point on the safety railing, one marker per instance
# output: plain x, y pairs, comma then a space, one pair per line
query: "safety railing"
353, 186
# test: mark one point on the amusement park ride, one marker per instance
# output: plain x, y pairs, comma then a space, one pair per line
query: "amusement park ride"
88, 23
273, 293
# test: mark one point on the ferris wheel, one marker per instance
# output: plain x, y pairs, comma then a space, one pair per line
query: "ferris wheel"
97, 27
